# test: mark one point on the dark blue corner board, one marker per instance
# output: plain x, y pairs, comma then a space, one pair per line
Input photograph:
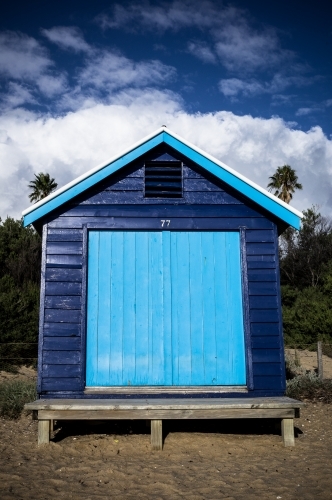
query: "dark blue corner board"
118, 202
40, 373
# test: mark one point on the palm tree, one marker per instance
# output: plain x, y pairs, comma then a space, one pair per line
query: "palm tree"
284, 182
41, 186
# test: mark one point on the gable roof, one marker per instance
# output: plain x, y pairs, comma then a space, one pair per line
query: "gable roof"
266, 200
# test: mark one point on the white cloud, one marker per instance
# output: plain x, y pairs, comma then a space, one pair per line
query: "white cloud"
232, 38
202, 51
102, 71
233, 87
22, 56
240, 46
174, 16
68, 146
67, 37
17, 95
51, 85
109, 70
307, 111
24, 59
99, 74
314, 108
282, 81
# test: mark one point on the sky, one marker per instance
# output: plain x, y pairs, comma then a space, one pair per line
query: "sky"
249, 82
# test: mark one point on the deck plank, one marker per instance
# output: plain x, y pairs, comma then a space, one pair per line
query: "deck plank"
164, 404
167, 414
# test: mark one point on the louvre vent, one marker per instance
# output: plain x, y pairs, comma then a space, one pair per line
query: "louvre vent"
163, 179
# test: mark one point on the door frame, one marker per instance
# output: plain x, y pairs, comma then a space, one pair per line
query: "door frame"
167, 224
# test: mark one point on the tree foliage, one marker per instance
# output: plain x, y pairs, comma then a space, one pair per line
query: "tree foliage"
20, 257
306, 279
307, 316
284, 182
20, 252
41, 186
306, 253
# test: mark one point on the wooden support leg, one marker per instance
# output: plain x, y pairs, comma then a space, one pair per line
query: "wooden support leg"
157, 434
51, 426
43, 432
287, 431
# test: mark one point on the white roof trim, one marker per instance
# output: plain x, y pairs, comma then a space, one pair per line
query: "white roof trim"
139, 143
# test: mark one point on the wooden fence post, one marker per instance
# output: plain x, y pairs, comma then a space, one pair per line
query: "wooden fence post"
320, 359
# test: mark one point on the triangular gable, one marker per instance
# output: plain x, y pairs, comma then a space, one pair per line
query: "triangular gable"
266, 200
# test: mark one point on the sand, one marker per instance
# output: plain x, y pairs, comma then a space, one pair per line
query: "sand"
308, 361
22, 373
200, 460
242, 459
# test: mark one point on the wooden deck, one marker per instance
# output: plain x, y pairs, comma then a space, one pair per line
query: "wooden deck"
157, 410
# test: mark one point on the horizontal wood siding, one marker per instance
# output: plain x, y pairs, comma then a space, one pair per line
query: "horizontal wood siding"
62, 344
264, 303
207, 204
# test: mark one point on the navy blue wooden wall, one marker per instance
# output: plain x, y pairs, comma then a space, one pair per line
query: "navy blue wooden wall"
119, 203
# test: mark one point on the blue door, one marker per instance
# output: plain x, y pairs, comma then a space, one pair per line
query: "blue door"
164, 308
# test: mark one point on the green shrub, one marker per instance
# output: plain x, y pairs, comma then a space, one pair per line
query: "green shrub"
307, 316
310, 387
14, 395
293, 366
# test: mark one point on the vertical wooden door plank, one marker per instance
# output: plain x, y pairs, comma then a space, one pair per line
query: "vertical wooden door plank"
104, 308
117, 310
129, 314
167, 312
196, 308
223, 303
156, 310
175, 310
209, 315
235, 319
142, 308
92, 309
182, 287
